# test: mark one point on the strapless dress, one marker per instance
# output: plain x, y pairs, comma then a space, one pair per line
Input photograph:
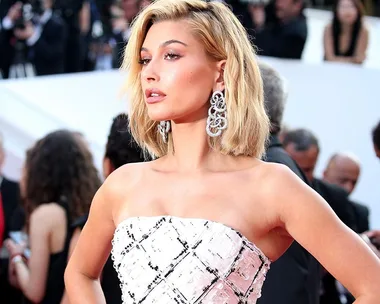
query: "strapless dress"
166, 259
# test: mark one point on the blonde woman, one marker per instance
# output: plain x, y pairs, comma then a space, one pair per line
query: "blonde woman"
202, 222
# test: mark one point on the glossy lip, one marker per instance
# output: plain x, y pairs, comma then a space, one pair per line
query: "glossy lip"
154, 99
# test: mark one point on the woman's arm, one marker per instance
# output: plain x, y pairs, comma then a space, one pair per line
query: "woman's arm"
312, 223
82, 276
32, 277
362, 45
73, 242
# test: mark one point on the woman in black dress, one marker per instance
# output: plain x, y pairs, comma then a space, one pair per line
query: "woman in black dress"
59, 181
346, 38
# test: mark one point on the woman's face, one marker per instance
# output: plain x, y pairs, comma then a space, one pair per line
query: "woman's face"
347, 11
177, 76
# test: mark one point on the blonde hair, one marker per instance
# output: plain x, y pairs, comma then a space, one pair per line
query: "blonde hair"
224, 38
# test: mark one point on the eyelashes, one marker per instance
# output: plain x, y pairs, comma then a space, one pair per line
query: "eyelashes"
168, 56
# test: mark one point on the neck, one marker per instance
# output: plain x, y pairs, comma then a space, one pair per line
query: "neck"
346, 28
191, 147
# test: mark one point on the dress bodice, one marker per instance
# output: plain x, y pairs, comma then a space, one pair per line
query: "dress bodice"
167, 259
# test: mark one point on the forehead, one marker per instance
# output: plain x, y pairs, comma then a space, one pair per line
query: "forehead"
346, 167
162, 31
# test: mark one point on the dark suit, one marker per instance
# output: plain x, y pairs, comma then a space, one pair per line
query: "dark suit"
338, 200
295, 277
48, 53
361, 216
283, 40
6, 37
10, 193
11, 196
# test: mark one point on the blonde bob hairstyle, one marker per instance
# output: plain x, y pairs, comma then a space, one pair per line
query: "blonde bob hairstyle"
224, 38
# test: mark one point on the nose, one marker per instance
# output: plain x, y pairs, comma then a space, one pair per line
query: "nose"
150, 72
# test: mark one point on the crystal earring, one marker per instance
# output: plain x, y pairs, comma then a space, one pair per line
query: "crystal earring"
164, 128
217, 115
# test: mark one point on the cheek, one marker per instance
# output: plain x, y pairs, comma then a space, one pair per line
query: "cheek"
191, 82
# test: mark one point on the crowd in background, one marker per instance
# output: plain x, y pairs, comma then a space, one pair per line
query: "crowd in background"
44, 37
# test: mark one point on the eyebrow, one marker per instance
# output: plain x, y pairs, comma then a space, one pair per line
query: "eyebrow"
166, 43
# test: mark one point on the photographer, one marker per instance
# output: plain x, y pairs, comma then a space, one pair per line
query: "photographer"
278, 27
42, 32
10, 12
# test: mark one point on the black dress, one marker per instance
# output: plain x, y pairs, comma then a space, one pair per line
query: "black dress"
110, 282
55, 285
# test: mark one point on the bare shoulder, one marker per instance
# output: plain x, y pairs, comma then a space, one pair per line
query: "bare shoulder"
278, 183
119, 184
328, 28
46, 212
120, 181
364, 29
274, 173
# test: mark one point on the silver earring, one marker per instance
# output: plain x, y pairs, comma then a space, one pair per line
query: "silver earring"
217, 115
164, 128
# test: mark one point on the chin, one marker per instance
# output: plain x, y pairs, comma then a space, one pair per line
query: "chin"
159, 114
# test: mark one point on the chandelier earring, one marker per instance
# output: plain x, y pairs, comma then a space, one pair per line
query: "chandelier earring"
164, 129
217, 115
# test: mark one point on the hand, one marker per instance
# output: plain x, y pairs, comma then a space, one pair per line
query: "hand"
14, 249
26, 33
12, 275
374, 235
15, 11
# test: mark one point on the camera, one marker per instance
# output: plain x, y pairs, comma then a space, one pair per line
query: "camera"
29, 9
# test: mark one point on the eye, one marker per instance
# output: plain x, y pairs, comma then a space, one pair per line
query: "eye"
144, 61
171, 56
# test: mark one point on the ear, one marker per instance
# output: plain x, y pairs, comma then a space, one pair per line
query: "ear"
219, 79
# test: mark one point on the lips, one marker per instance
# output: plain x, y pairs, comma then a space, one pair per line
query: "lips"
154, 95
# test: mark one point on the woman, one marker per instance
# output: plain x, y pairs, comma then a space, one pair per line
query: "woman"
202, 222
59, 181
346, 38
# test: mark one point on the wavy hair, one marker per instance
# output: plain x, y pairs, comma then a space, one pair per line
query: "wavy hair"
224, 38
60, 167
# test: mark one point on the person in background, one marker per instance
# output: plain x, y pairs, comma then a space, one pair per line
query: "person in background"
343, 170
295, 277
346, 37
284, 34
303, 147
122, 29
121, 149
58, 183
77, 17
40, 41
